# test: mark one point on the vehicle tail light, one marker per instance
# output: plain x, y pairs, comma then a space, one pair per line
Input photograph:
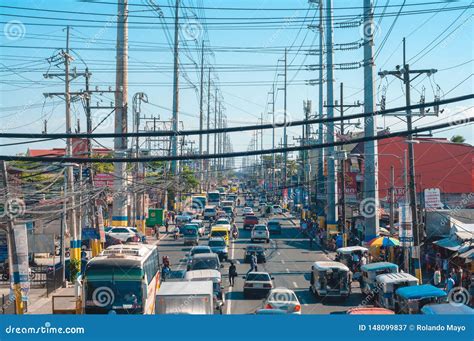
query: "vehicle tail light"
268, 306
267, 285
248, 285
297, 308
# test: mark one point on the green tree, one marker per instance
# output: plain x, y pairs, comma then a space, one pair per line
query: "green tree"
103, 167
458, 139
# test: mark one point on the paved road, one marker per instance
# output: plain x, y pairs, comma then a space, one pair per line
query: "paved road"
289, 261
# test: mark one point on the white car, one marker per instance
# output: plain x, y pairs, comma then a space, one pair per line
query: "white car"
257, 284
121, 233
200, 224
247, 210
283, 299
260, 232
277, 209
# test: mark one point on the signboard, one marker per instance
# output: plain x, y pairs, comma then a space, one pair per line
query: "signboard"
432, 198
100, 220
350, 187
406, 225
104, 180
21, 268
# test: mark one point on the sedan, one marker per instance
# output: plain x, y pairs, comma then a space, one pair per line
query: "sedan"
121, 233
274, 226
257, 284
283, 299
259, 250
277, 209
247, 210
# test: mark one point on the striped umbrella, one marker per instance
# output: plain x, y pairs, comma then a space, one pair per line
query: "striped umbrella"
384, 241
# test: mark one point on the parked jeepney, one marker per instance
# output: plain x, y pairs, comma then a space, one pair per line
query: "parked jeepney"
330, 279
412, 299
447, 309
216, 278
345, 254
387, 284
371, 271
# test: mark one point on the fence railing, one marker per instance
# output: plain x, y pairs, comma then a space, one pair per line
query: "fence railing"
54, 280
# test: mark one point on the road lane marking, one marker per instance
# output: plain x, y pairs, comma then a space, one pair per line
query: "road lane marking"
288, 270
282, 261
295, 284
278, 253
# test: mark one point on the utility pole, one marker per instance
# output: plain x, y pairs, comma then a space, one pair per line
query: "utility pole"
120, 203
201, 118
404, 75
320, 183
392, 198
371, 190
261, 147
174, 139
273, 138
208, 161
13, 260
215, 135
331, 187
285, 137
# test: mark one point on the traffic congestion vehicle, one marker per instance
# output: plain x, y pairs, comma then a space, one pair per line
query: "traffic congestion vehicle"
185, 297
283, 299
210, 213
330, 279
200, 225
250, 221
220, 231
258, 250
182, 220
218, 245
260, 233
216, 278
447, 309
387, 284
213, 198
412, 298
121, 233
274, 226
203, 261
124, 277
190, 234
247, 210
346, 254
276, 209
257, 284
371, 271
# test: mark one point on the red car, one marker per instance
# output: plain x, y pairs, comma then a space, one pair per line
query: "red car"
250, 221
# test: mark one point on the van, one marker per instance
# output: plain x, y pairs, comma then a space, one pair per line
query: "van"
220, 231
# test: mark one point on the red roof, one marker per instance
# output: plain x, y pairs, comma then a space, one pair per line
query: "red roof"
62, 152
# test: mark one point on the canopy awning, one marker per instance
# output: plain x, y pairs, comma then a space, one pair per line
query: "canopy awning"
448, 243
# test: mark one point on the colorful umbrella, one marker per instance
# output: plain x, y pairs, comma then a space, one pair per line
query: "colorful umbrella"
384, 241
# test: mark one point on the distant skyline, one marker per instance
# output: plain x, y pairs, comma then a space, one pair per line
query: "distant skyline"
242, 60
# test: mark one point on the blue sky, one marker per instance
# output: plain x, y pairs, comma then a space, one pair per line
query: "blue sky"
26, 47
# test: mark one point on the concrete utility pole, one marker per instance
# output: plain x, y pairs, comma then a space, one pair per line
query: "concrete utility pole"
120, 203
174, 139
285, 136
208, 161
201, 118
273, 139
12, 249
404, 75
371, 188
215, 134
320, 183
331, 185
392, 199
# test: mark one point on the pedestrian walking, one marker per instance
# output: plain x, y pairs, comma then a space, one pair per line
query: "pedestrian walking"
437, 277
167, 223
253, 263
459, 275
445, 267
450, 283
232, 273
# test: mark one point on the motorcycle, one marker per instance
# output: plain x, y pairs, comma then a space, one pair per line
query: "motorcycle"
176, 233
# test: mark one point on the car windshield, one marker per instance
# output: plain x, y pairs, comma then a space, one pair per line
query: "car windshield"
286, 296
260, 228
216, 243
273, 223
258, 277
254, 249
122, 296
251, 218
190, 231
120, 230
204, 264
219, 233
210, 210
200, 250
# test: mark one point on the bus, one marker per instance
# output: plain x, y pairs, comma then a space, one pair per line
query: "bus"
213, 198
198, 203
123, 279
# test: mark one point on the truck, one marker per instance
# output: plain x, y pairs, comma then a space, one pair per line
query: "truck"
185, 297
